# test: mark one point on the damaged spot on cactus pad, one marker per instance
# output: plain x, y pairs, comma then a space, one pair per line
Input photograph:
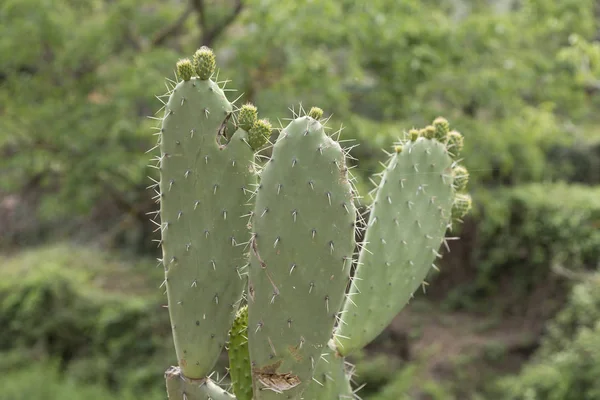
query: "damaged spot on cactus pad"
277, 382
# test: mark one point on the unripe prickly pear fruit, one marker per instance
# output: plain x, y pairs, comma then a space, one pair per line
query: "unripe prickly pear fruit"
455, 143
442, 127
185, 69
204, 62
461, 178
315, 113
428, 132
247, 117
461, 205
259, 133
413, 134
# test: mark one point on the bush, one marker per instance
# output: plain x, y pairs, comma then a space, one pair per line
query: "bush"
44, 382
567, 365
523, 231
94, 312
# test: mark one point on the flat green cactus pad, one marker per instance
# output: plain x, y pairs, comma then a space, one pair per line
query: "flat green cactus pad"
204, 189
303, 239
331, 380
408, 222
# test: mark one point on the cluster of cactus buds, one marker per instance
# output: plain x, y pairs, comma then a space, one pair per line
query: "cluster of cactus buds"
258, 257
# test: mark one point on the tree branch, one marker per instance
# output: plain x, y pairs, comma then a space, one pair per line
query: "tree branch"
209, 36
173, 29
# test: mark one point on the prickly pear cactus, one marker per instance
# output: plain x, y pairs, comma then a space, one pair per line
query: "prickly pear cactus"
409, 217
204, 191
239, 356
301, 250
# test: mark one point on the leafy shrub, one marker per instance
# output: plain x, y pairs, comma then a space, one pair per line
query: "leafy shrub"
524, 230
92, 311
44, 382
567, 365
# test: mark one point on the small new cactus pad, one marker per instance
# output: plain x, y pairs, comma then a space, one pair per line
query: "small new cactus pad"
301, 253
239, 356
181, 388
204, 62
185, 69
204, 189
331, 380
247, 116
407, 224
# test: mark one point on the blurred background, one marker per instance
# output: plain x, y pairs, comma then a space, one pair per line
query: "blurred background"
514, 312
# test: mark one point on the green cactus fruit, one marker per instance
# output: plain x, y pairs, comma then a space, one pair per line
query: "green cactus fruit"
185, 69
204, 191
204, 62
180, 387
239, 356
247, 116
407, 224
315, 113
413, 134
259, 133
301, 254
461, 206
442, 127
331, 381
428, 132
455, 143
461, 178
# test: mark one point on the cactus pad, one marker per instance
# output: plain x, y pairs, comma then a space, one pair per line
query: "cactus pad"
303, 239
408, 221
181, 388
331, 381
204, 189
239, 356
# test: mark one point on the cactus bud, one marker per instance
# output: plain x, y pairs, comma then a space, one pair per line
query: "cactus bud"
428, 132
259, 134
461, 205
398, 149
247, 117
414, 134
204, 62
316, 113
461, 178
185, 69
455, 143
442, 127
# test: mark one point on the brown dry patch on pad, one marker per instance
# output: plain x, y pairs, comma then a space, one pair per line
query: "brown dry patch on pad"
272, 380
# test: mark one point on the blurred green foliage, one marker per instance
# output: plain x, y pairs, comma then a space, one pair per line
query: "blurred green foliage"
94, 312
567, 365
526, 230
45, 382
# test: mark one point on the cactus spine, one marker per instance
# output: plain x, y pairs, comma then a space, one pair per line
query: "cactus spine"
289, 244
